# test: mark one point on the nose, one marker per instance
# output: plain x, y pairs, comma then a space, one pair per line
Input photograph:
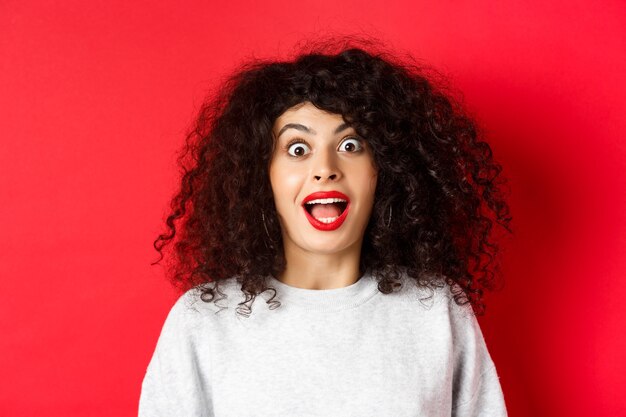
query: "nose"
330, 177
325, 167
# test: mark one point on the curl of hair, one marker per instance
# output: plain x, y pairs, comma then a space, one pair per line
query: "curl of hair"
437, 198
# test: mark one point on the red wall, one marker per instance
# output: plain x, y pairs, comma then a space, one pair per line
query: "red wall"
95, 98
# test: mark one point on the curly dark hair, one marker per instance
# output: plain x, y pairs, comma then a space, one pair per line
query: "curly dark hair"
435, 175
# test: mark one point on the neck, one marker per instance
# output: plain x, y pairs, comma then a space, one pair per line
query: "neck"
319, 271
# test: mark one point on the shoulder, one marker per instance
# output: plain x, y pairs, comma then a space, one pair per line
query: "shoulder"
209, 301
434, 306
434, 293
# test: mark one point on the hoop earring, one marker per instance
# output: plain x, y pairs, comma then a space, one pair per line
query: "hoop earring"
388, 224
265, 225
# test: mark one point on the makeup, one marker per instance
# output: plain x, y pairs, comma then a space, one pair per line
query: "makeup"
326, 210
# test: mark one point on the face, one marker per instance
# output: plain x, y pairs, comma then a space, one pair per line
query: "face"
323, 179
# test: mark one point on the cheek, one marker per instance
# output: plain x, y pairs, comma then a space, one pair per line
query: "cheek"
369, 177
373, 184
368, 184
286, 183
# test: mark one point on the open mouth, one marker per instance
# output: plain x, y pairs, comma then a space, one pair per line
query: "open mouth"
326, 210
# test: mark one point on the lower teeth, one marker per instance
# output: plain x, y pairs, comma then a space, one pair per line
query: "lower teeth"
327, 219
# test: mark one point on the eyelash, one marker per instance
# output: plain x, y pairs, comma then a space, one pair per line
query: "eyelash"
298, 140
294, 141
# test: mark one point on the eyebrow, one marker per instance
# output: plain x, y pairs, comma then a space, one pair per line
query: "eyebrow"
303, 128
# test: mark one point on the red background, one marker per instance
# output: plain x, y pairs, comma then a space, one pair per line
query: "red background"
95, 98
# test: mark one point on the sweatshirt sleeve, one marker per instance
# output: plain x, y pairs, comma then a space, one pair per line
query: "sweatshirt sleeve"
172, 385
476, 387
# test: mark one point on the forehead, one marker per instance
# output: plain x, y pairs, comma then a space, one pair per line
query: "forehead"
306, 113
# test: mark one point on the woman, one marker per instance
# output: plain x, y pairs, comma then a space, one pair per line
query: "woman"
355, 199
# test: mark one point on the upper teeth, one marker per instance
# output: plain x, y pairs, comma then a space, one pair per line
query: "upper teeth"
326, 201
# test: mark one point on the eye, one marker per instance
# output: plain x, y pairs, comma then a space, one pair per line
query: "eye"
350, 145
298, 149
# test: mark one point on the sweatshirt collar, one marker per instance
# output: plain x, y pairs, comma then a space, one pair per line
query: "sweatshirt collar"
330, 299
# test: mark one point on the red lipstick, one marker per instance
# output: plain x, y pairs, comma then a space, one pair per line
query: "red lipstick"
335, 224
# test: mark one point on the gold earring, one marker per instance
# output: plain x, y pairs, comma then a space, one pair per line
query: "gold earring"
388, 224
264, 225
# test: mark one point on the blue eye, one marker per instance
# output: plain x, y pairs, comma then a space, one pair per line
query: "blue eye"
350, 145
298, 149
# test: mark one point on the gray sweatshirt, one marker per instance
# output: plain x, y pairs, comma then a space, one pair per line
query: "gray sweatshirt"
351, 351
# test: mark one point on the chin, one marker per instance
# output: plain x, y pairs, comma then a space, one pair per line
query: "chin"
328, 246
